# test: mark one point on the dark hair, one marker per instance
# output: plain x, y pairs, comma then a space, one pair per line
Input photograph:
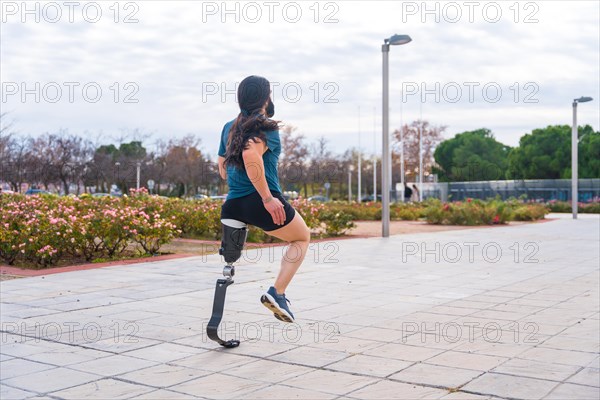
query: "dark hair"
253, 93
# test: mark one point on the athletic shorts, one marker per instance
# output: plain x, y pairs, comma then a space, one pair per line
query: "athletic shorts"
250, 210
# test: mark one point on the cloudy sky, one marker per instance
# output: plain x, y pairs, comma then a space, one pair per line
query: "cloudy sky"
170, 68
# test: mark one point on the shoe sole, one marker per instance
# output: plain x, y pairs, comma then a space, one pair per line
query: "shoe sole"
280, 314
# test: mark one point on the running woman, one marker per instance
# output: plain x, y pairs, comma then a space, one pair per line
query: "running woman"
248, 157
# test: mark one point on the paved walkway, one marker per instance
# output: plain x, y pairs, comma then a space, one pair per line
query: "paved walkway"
503, 312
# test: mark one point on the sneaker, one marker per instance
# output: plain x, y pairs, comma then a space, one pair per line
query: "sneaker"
278, 304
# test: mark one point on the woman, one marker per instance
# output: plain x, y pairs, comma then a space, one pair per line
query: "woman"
248, 157
415, 194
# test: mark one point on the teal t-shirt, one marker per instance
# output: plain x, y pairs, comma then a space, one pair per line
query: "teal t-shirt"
237, 179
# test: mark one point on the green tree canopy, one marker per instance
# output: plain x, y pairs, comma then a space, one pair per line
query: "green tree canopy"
471, 156
589, 153
546, 154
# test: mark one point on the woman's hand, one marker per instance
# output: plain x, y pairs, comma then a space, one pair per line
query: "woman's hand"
275, 208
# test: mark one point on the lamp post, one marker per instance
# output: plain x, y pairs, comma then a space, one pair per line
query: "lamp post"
118, 164
137, 174
420, 163
402, 163
574, 156
358, 197
386, 156
350, 169
374, 159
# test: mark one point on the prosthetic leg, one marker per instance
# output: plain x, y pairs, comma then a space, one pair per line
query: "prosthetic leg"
232, 243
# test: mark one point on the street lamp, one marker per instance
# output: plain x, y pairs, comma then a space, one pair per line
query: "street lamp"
574, 161
386, 159
138, 165
350, 169
402, 177
420, 162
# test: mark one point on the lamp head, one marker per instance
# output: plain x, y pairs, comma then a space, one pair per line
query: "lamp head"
398, 40
583, 99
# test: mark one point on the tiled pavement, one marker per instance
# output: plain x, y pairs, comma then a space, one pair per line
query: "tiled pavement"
504, 312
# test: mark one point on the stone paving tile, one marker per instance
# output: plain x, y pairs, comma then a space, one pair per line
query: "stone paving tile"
51, 380
587, 376
369, 365
432, 340
103, 389
500, 349
119, 344
568, 391
67, 355
19, 346
10, 393
330, 382
163, 394
164, 352
18, 366
112, 365
464, 396
268, 371
216, 387
478, 362
436, 375
568, 357
213, 361
377, 334
278, 392
595, 363
310, 356
163, 375
404, 352
346, 344
261, 348
537, 369
510, 386
386, 390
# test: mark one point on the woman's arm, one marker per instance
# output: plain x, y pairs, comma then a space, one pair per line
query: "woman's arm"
222, 169
255, 169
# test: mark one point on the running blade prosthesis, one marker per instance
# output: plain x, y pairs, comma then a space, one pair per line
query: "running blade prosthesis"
232, 243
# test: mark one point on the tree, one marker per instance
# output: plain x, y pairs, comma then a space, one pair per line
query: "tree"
323, 166
471, 156
293, 164
589, 153
102, 168
430, 136
543, 154
128, 156
60, 159
186, 165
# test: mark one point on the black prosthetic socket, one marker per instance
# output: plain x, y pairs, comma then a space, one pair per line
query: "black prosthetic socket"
232, 243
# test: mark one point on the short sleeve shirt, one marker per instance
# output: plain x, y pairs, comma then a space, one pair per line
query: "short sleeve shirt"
237, 179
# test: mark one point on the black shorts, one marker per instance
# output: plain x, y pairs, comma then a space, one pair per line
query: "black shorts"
250, 210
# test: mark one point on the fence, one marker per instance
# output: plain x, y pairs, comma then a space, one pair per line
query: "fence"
539, 190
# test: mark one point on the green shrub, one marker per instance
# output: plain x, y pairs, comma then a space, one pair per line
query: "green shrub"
565, 207
479, 212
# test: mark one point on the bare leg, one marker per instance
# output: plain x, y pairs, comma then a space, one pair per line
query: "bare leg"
297, 234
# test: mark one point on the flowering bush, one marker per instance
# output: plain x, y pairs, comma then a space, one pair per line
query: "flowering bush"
371, 211
41, 230
592, 207
480, 212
